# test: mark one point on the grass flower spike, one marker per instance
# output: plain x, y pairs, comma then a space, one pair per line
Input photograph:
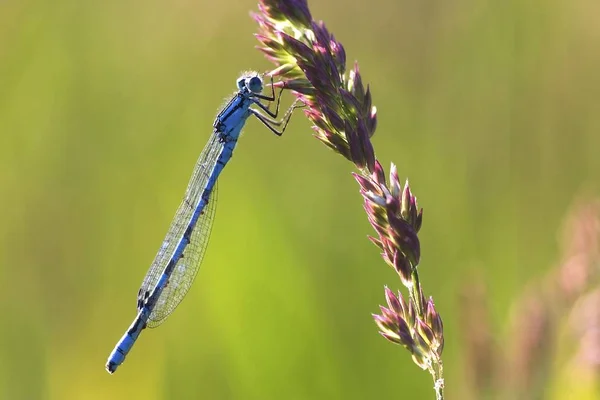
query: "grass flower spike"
313, 64
310, 62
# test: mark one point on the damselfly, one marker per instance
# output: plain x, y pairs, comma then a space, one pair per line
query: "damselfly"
176, 264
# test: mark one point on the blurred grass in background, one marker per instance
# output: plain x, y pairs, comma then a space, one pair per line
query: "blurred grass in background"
489, 107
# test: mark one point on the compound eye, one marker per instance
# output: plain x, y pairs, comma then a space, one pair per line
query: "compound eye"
254, 84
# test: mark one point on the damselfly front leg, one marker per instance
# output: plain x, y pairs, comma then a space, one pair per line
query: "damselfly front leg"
272, 97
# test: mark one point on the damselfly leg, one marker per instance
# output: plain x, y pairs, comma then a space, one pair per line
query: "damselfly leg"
270, 120
273, 123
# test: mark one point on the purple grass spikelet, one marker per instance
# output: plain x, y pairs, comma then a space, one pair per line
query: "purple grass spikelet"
311, 63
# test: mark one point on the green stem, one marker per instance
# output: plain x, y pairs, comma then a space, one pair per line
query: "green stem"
437, 372
414, 293
436, 369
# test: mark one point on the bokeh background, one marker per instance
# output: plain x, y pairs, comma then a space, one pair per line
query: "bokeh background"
490, 108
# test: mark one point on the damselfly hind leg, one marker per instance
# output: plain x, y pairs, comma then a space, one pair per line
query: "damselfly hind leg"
273, 123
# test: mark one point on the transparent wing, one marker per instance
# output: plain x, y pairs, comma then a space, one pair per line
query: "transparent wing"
185, 270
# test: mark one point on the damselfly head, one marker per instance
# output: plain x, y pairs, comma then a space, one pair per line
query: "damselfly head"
251, 84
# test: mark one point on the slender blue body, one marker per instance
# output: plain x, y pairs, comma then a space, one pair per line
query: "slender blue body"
176, 264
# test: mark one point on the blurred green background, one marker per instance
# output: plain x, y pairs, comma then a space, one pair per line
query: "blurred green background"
490, 108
